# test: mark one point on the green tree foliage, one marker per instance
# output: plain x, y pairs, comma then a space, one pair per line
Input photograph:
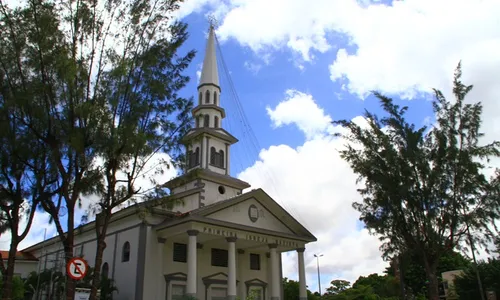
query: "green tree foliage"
337, 286
17, 288
384, 286
95, 83
291, 290
26, 178
424, 188
414, 277
466, 285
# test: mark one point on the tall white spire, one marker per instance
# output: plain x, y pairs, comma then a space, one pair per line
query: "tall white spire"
209, 73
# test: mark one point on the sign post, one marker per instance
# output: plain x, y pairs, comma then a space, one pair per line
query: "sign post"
77, 268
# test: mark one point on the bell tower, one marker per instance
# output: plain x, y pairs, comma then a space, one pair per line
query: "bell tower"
207, 143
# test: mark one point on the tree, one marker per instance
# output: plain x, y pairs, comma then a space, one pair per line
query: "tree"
96, 84
384, 286
466, 284
291, 290
25, 179
337, 286
414, 276
17, 288
424, 188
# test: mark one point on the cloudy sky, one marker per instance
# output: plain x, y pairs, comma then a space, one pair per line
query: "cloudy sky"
296, 65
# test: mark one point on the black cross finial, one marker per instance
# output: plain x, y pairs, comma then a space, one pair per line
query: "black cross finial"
212, 20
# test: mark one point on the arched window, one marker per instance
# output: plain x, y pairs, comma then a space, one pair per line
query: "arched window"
199, 98
198, 123
206, 123
207, 97
105, 270
126, 252
216, 122
197, 156
215, 98
221, 159
213, 155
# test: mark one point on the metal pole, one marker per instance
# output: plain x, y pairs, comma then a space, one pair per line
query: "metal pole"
319, 277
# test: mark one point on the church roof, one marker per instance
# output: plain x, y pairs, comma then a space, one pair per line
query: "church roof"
259, 194
200, 173
20, 255
209, 72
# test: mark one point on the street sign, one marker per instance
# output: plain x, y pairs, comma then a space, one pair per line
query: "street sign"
77, 268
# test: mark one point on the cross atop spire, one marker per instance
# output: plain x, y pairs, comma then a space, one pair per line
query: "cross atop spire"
212, 20
209, 72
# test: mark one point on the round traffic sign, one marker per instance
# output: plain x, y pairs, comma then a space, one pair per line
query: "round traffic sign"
77, 268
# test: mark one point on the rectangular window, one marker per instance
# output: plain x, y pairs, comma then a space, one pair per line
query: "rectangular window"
180, 252
178, 291
218, 293
254, 261
219, 257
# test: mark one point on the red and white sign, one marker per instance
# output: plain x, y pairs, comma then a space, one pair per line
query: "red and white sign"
77, 268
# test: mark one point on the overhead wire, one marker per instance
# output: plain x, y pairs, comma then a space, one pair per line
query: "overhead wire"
248, 132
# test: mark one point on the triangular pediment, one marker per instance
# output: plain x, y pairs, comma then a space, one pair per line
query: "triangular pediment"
255, 209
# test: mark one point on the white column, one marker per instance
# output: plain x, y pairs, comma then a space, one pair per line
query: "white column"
161, 279
302, 274
275, 273
241, 262
192, 264
231, 265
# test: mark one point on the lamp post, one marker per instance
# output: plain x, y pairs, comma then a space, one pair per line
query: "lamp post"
319, 278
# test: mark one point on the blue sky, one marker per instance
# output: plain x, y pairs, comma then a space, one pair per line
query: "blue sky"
297, 64
329, 55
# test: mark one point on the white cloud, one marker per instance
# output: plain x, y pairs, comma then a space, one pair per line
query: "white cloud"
300, 109
252, 67
405, 48
315, 185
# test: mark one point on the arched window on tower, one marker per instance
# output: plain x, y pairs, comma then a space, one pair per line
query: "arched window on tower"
216, 122
207, 97
197, 156
126, 252
221, 159
200, 98
198, 122
206, 122
215, 98
213, 155
105, 270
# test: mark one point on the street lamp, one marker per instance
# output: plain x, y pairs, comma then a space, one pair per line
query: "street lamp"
319, 278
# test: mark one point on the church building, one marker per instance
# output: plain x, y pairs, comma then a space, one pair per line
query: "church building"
220, 243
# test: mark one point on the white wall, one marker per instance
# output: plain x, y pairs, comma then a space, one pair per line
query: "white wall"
23, 268
212, 192
120, 231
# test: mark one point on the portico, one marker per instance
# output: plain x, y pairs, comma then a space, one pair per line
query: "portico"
229, 258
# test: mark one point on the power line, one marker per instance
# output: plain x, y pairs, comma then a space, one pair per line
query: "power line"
251, 135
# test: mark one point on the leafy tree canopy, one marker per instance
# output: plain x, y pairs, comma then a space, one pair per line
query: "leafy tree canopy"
424, 189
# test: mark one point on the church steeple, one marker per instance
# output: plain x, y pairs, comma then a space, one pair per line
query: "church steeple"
206, 177
210, 148
209, 73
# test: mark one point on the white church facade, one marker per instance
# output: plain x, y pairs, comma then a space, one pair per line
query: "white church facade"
220, 243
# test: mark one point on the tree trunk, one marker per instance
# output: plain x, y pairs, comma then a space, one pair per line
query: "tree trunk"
101, 223
96, 277
430, 272
68, 250
9, 272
